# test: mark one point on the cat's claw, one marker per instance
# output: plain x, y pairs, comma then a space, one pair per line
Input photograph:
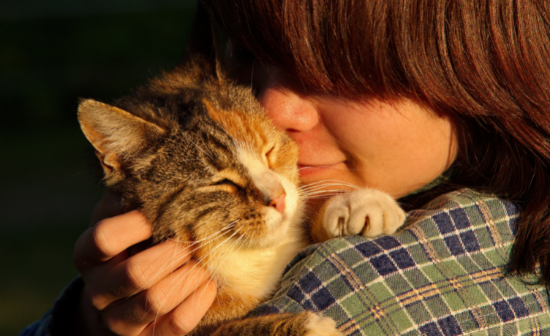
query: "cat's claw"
368, 212
320, 326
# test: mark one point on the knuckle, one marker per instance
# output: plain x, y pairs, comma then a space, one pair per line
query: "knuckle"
100, 239
98, 301
155, 302
135, 277
115, 325
180, 326
80, 251
78, 260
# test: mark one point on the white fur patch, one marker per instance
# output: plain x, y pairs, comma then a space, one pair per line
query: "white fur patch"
263, 265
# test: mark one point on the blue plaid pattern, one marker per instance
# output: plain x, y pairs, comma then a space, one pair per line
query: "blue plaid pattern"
443, 274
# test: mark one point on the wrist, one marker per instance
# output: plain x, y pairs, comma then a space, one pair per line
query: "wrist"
74, 315
88, 321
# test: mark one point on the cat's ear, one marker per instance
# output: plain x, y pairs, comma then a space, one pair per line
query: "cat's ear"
205, 41
115, 134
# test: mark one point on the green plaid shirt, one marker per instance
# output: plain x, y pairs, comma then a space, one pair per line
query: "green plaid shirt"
441, 275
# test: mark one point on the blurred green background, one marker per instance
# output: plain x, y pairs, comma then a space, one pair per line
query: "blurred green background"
51, 53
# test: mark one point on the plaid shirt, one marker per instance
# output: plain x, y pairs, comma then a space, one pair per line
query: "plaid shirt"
441, 275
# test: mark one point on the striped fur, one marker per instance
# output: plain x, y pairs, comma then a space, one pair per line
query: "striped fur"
199, 157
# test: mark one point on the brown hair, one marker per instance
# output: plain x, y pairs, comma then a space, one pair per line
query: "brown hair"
485, 62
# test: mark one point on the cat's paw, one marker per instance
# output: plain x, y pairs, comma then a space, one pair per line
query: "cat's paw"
320, 326
368, 212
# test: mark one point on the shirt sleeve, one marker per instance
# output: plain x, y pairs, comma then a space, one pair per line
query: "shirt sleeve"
443, 274
59, 320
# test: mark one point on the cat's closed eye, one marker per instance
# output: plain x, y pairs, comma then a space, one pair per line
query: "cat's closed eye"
229, 183
227, 180
270, 156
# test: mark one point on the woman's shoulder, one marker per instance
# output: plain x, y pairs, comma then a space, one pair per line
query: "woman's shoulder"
478, 220
443, 273
465, 221
469, 201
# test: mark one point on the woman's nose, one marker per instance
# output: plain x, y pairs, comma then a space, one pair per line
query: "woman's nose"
289, 108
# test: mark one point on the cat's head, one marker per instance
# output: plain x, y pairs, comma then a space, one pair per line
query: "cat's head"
200, 158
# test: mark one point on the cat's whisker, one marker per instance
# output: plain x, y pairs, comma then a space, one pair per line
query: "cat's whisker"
317, 190
329, 183
215, 248
327, 188
322, 196
310, 212
216, 236
324, 190
203, 290
181, 277
194, 242
163, 267
324, 181
222, 243
208, 240
170, 262
229, 249
332, 167
232, 247
202, 258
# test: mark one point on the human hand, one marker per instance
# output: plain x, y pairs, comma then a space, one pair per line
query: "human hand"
158, 290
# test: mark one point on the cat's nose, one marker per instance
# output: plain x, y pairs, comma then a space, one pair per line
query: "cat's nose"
278, 203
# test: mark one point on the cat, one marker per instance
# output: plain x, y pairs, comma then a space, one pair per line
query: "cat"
198, 155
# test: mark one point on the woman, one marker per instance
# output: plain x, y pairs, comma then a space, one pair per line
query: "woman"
443, 104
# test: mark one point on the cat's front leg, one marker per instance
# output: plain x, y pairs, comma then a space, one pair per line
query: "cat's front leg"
303, 324
368, 212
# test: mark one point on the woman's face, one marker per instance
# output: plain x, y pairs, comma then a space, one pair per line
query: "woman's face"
395, 147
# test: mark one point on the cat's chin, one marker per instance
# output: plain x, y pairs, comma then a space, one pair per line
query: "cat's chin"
277, 234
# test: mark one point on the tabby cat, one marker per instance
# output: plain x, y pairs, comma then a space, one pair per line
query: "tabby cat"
197, 154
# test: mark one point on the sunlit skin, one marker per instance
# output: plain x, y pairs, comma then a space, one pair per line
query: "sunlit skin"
396, 147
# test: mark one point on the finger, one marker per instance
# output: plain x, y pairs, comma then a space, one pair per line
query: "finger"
109, 238
109, 283
108, 206
133, 315
186, 316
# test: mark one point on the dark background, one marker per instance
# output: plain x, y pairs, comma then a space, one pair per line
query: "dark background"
51, 53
